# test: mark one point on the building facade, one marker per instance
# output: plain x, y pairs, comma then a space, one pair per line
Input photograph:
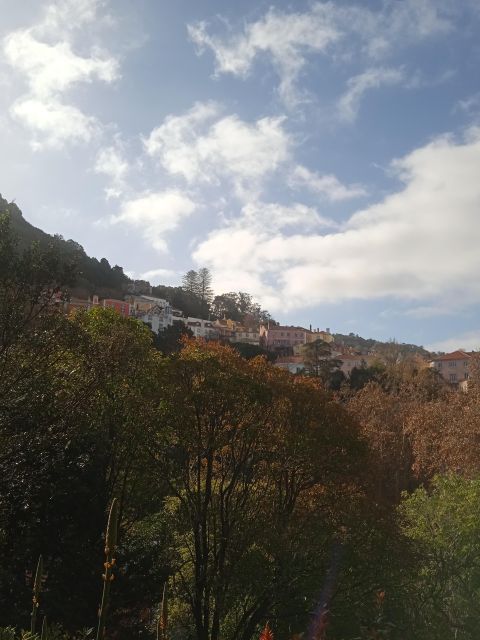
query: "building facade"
232, 331
120, 306
156, 312
293, 364
279, 337
453, 367
202, 328
349, 362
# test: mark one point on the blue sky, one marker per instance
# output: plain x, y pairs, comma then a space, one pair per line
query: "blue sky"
324, 156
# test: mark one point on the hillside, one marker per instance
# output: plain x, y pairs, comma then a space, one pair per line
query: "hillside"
99, 277
369, 345
94, 276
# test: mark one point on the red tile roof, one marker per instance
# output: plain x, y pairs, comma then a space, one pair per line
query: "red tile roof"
455, 355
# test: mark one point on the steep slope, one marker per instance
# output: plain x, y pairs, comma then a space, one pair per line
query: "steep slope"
94, 276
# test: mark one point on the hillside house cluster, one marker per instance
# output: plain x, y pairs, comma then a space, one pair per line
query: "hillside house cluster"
159, 314
286, 341
289, 342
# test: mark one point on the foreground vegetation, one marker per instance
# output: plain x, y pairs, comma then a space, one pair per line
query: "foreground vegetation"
259, 496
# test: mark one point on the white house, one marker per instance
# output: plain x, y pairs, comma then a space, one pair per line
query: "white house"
453, 367
156, 312
202, 328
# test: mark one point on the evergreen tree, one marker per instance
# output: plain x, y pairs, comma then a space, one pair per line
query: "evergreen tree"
191, 282
204, 288
319, 361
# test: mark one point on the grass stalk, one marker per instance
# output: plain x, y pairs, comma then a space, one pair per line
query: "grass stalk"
37, 587
44, 634
162, 616
108, 575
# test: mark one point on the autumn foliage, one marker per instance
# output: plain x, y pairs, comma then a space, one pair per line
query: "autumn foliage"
257, 495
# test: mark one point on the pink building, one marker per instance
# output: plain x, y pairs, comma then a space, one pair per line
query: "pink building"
278, 337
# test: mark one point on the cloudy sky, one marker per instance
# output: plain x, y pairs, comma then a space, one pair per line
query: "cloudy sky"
322, 155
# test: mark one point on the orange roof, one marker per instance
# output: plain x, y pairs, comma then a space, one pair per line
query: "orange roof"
455, 355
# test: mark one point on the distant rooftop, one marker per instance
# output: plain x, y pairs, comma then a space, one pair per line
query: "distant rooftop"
455, 355
279, 327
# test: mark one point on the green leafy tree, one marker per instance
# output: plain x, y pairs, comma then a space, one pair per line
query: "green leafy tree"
318, 360
170, 340
75, 396
443, 524
360, 376
239, 307
250, 351
226, 305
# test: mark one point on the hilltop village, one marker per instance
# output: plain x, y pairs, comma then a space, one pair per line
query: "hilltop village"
292, 348
232, 318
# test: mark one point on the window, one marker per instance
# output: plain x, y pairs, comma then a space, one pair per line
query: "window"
439, 365
453, 363
465, 363
466, 375
453, 377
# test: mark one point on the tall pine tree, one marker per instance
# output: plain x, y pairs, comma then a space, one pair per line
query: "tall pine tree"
190, 282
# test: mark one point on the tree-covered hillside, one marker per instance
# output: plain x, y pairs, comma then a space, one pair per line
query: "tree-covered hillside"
93, 276
194, 298
370, 345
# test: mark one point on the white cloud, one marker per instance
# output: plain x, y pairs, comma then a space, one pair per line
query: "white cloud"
155, 214
201, 147
110, 161
400, 24
469, 341
52, 69
329, 28
419, 244
43, 55
53, 121
68, 15
326, 185
175, 141
286, 38
432, 311
470, 105
160, 276
276, 217
349, 103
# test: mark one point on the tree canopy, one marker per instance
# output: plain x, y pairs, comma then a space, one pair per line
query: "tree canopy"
257, 495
